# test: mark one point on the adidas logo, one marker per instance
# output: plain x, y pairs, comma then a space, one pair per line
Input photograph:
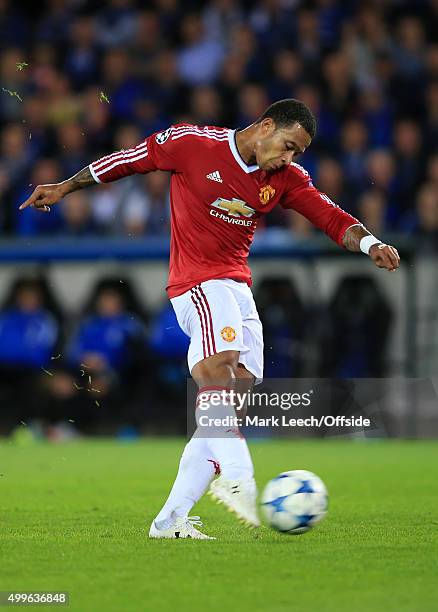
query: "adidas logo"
215, 176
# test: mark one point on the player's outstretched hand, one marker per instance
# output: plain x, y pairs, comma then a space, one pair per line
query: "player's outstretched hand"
385, 256
44, 196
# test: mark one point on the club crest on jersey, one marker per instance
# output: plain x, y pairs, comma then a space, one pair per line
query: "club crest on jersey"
228, 334
163, 136
266, 193
234, 207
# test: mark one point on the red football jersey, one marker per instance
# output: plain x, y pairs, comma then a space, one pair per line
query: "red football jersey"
217, 199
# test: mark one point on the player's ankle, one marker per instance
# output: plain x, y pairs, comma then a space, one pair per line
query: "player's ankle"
167, 522
236, 472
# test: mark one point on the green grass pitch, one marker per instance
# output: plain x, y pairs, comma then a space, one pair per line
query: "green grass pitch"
74, 517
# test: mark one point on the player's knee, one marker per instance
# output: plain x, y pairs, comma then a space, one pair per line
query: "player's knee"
220, 369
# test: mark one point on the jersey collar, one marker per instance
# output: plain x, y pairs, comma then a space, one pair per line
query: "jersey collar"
236, 154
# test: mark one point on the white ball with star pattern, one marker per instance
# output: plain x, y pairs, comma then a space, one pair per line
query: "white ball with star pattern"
294, 501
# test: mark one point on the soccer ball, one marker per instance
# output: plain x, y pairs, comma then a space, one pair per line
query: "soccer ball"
294, 501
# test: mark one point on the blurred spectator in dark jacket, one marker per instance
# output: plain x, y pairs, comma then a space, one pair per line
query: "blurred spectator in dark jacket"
327, 135
354, 140
31, 222
331, 15
287, 71
431, 118
96, 122
43, 63
29, 340
432, 60
28, 330
356, 332
427, 214
220, 17
206, 106
273, 23
308, 39
13, 25
170, 12
284, 324
5, 196
108, 353
146, 44
409, 161
409, 54
199, 58
252, 101
121, 87
432, 170
77, 217
147, 211
229, 82
381, 176
116, 23
15, 155
82, 58
149, 116
53, 27
245, 46
378, 116
35, 126
339, 88
330, 180
371, 211
169, 346
166, 87
71, 146
300, 226
366, 38
106, 340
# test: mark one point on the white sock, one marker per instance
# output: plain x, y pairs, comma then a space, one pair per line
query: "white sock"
226, 443
196, 470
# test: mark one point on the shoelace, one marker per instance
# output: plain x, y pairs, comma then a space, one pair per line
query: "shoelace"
194, 520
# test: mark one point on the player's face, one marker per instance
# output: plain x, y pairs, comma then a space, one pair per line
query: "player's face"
275, 148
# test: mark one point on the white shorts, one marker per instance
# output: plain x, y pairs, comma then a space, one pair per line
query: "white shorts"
221, 315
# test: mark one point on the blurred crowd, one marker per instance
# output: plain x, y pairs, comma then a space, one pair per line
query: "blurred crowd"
114, 365
83, 78
112, 362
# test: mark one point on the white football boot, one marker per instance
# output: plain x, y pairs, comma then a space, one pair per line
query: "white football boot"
183, 527
239, 496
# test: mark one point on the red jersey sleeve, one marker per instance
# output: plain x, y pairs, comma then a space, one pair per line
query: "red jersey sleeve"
302, 196
157, 152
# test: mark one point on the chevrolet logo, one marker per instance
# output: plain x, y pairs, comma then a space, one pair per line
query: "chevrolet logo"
234, 207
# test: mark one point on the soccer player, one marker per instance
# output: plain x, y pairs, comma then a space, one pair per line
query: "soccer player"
222, 182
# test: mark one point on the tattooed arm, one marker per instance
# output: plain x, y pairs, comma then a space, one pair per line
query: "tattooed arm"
383, 255
80, 180
44, 196
353, 236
